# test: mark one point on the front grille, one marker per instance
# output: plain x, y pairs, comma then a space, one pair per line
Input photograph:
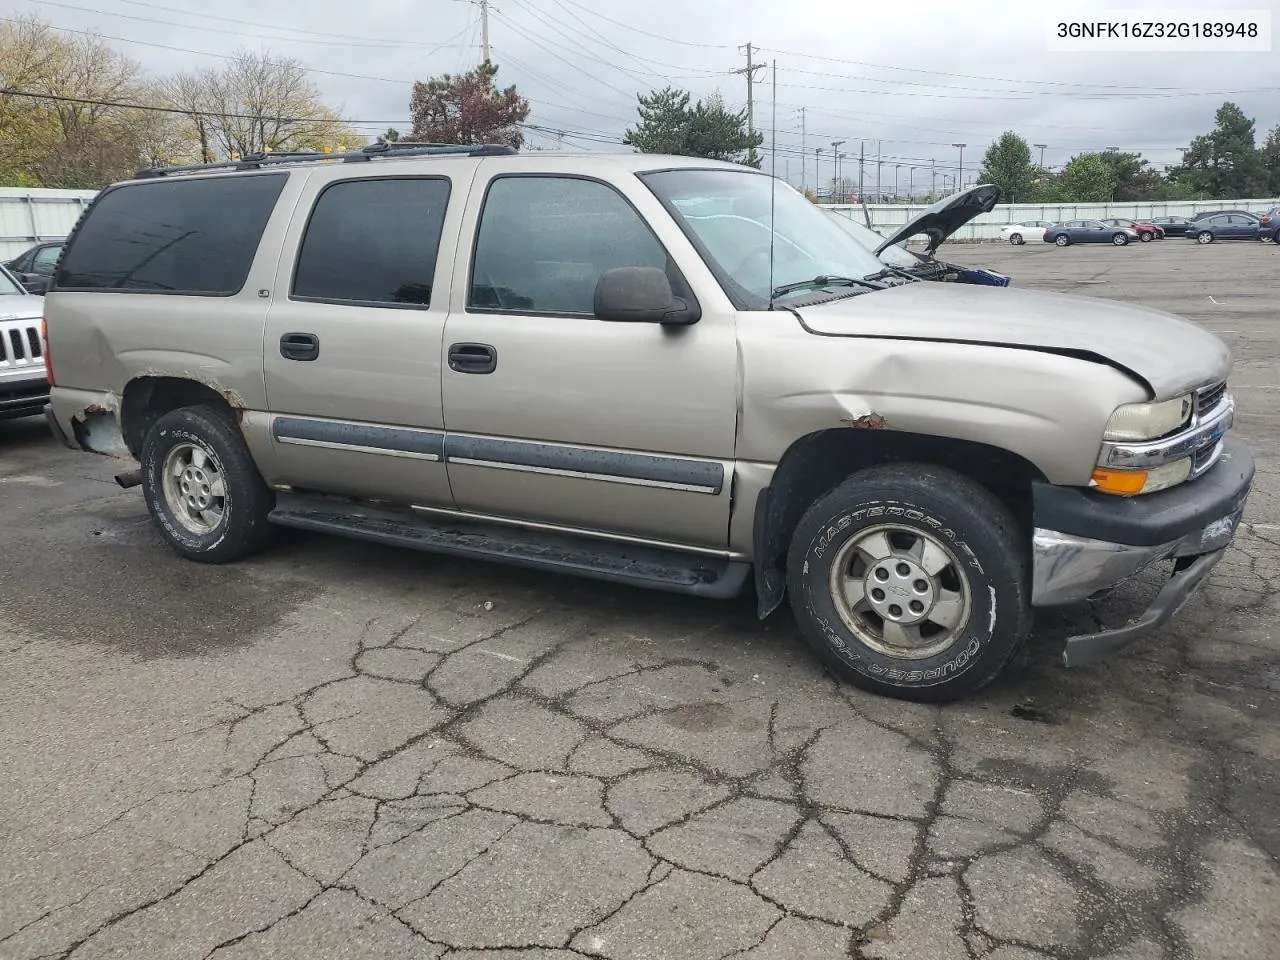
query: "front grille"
1208, 398
20, 346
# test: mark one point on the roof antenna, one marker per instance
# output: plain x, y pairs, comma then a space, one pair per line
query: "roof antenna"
773, 177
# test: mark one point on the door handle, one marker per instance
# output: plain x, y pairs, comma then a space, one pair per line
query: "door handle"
473, 358
300, 346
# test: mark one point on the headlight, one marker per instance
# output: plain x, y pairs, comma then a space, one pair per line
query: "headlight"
1136, 422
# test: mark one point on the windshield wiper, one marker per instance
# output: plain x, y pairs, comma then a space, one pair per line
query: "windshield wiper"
893, 272
825, 281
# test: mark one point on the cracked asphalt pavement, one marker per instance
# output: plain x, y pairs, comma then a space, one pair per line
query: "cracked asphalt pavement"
339, 750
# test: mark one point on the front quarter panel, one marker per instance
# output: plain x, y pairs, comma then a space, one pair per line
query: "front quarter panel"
1047, 408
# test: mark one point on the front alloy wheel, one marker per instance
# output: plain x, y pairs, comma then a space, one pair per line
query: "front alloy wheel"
900, 592
1146, 237
910, 580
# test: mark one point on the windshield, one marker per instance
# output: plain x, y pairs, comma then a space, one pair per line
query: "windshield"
894, 256
8, 285
727, 214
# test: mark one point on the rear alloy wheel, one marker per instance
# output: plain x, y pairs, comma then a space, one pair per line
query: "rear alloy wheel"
1062, 240
909, 580
1016, 239
1204, 237
202, 487
1146, 237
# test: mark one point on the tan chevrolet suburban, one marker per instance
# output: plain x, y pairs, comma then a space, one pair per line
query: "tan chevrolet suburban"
611, 366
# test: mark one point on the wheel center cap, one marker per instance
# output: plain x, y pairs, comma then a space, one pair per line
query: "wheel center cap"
900, 590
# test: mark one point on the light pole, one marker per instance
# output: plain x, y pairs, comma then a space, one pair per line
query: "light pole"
817, 172
961, 177
1040, 147
911, 186
843, 196
896, 168
835, 153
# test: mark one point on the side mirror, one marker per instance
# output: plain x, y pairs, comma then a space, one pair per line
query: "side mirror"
640, 295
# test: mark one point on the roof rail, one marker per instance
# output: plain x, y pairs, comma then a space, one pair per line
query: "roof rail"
256, 161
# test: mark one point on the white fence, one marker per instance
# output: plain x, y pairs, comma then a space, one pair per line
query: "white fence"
886, 217
29, 216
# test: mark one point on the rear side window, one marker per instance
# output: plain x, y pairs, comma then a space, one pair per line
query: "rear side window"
373, 242
172, 236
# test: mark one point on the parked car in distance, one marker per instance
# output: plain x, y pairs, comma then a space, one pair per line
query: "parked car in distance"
35, 267
1225, 226
1172, 226
660, 371
1017, 233
24, 387
1088, 231
1146, 231
1269, 225
1215, 213
937, 222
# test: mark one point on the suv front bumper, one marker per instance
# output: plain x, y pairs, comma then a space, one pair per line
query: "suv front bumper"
1086, 542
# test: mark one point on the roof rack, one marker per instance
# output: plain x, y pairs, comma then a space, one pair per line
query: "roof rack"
256, 161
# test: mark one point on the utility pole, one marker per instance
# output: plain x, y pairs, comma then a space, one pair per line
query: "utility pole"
835, 179
933, 180
960, 179
484, 28
817, 171
803, 181
750, 71
1041, 147
896, 168
879, 147
862, 159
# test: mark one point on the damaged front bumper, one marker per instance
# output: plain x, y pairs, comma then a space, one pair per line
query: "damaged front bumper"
1087, 542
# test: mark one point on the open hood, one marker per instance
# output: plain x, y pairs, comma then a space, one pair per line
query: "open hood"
946, 216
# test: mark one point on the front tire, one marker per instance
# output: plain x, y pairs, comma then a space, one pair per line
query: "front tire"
910, 581
1147, 237
202, 488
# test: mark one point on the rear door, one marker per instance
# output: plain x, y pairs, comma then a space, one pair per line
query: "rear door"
352, 346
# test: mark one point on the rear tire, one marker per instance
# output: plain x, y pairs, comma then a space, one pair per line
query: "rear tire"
202, 487
1119, 239
954, 608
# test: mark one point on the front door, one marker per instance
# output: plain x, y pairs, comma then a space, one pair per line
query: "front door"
557, 417
352, 346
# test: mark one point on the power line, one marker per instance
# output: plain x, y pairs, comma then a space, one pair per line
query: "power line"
643, 33
235, 33
346, 38
225, 56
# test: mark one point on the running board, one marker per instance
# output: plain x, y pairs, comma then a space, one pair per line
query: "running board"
654, 568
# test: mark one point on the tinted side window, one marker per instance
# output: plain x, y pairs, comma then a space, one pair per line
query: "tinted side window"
46, 259
194, 236
373, 242
543, 243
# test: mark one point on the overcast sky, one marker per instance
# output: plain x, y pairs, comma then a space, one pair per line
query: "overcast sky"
910, 79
